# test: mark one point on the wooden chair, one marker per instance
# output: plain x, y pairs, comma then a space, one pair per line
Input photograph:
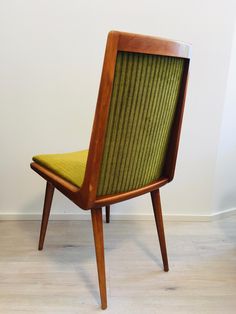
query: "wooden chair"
134, 140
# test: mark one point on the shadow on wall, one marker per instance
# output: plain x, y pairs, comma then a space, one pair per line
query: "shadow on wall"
228, 223
227, 201
228, 227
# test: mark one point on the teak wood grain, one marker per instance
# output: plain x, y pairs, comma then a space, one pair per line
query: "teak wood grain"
86, 196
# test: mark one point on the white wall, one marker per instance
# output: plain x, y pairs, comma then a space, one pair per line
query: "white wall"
50, 62
225, 181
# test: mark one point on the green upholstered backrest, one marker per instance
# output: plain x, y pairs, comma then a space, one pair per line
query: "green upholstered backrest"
142, 108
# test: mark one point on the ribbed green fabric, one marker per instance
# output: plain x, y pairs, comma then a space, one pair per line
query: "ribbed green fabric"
70, 166
142, 108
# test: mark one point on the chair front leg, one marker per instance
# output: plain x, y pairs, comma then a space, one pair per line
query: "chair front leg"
99, 249
156, 203
46, 212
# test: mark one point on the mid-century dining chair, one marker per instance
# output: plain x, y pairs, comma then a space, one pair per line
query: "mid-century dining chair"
135, 136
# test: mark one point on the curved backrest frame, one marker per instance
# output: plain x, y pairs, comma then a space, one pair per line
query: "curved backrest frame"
120, 41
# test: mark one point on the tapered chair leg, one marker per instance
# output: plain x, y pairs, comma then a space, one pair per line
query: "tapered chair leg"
99, 249
107, 213
156, 203
46, 212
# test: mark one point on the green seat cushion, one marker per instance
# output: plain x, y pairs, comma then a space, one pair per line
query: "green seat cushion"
70, 166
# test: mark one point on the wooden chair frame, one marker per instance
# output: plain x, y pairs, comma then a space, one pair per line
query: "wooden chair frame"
86, 196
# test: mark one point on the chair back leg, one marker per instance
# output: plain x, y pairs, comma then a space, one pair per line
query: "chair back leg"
107, 213
99, 249
156, 203
46, 212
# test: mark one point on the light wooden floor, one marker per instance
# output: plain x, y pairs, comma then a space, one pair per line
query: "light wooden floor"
63, 277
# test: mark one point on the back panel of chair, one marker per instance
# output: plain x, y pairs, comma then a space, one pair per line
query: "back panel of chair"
143, 102
138, 115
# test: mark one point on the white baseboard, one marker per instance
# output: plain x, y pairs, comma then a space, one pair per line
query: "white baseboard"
115, 216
